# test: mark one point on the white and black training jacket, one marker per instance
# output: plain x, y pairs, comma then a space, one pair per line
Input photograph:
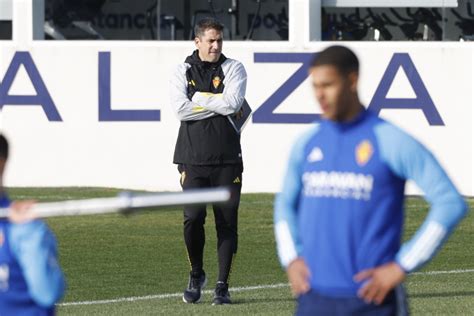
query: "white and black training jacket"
203, 94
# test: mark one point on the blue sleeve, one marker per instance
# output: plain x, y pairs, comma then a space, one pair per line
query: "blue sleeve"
286, 204
408, 159
34, 246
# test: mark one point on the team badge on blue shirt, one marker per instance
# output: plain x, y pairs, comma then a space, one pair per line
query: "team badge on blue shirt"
364, 152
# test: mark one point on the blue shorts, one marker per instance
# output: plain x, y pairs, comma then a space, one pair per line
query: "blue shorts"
311, 303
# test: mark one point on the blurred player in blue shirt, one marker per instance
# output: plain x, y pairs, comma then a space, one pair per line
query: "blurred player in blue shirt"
31, 281
339, 216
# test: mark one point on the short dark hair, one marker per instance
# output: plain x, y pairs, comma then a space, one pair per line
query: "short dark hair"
205, 24
3, 147
340, 57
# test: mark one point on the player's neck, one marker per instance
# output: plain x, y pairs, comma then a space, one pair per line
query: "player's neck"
352, 112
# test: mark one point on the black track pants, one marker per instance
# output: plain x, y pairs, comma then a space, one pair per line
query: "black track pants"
193, 176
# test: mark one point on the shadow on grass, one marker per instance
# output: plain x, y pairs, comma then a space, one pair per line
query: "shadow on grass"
442, 294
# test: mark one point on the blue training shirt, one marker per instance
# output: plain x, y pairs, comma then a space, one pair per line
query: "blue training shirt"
31, 281
341, 206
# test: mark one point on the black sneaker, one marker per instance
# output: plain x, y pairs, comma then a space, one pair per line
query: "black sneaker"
221, 294
196, 283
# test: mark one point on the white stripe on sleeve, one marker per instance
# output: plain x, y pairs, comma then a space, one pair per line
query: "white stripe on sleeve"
286, 246
424, 247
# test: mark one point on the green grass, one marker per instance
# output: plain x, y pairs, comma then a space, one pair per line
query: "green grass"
111, 256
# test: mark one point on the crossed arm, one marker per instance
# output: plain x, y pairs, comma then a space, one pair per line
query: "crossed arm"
204, 104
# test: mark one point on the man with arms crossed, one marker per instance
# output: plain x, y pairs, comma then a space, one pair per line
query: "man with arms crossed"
339, 217
205, 89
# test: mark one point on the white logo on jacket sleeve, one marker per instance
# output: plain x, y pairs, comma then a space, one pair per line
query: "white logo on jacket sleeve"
344, 185
315, 155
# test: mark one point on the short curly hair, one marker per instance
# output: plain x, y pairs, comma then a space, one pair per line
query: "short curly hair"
340, 57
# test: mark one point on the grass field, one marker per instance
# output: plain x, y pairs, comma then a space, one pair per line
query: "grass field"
109, 258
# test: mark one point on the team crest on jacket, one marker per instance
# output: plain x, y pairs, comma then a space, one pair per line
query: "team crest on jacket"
216, 81
363, 152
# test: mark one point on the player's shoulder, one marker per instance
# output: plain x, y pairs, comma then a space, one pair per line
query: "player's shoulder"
391, 133
179, 73
393, 141
233, 64
232, 61
182, 67
305, 138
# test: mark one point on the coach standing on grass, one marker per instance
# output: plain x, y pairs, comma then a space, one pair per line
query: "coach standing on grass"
205, 89
31, 281
339, 217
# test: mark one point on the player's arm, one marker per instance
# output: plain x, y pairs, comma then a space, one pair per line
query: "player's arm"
411, 160
408, 159
286, 211
34, 246
231, 99
185, 109
286, 221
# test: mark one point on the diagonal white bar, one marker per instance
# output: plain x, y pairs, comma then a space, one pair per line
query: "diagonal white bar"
126, 201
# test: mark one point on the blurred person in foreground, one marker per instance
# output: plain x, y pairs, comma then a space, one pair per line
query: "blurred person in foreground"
31, 280
339, 217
